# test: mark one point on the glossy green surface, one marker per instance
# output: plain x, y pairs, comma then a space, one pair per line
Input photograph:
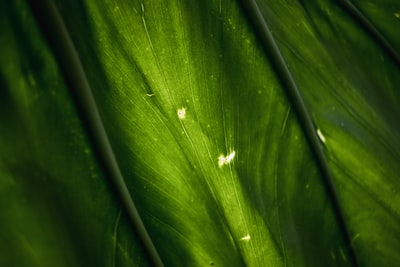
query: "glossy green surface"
205, 135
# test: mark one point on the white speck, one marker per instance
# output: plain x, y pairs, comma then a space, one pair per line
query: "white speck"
222, 160
181, 113
321, 136
245, 238
149, 95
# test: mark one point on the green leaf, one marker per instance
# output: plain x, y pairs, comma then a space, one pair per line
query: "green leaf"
239, 134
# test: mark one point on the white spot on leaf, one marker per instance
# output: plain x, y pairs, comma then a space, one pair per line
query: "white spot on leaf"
245, 238
181, 113
321, 136
222, 160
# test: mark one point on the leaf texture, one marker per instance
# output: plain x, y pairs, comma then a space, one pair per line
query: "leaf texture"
208, 141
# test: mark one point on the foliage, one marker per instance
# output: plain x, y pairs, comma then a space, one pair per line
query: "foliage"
230, 156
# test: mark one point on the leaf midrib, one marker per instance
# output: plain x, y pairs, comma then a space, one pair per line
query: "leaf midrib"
280, 65
56, 33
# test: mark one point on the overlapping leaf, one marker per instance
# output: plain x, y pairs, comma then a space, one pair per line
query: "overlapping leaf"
354, 105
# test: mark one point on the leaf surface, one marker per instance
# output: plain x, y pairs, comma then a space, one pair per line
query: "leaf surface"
208, 141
